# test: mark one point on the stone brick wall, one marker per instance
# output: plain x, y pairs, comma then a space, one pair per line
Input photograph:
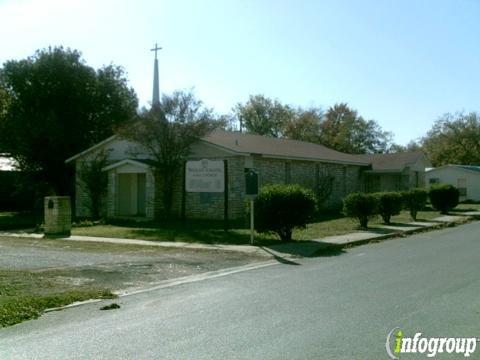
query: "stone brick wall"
211, 205
111, 194
344, 179
58, 215
81, 198
150, 195
405, 180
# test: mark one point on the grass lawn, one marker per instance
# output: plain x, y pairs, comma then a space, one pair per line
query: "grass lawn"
466, 207
25, 295
213, 233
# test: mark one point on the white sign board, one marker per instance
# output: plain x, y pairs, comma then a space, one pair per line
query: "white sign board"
205, 176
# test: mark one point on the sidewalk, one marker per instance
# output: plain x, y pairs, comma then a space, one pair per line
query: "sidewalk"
300, 248
377, 233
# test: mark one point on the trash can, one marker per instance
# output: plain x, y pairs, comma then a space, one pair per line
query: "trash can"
58, 216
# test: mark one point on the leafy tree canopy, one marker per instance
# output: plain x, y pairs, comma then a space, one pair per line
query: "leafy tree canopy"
263, 116
454, 139
305, 125
57, 106
344, 130
412, 146
340, 128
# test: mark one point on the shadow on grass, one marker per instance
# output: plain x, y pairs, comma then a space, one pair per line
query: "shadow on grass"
205, 236
18, 220
402, 225
377, 230
453, 211
305, 248
423, 220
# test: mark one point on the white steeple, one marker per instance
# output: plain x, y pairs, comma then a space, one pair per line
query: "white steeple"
156, 89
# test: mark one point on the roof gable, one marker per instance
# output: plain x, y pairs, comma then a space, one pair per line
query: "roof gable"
90, 149
142, 163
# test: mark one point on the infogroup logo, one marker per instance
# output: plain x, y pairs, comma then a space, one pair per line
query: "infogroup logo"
397, 343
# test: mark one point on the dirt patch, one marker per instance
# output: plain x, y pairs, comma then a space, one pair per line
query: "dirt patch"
116, 267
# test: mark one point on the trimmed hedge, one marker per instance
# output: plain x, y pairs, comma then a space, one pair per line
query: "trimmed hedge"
389, 204
282, 208
444, 197
361, 206
414, 200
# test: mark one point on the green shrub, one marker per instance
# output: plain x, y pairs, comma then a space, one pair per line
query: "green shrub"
361, 206
389, 204
281, 208
414, 200
444, 197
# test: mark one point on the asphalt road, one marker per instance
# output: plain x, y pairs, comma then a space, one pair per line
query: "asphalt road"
337, 307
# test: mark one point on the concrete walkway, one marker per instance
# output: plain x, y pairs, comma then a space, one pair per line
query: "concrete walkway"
282, 251
379, 232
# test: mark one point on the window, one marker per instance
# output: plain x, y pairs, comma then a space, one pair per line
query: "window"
433, 181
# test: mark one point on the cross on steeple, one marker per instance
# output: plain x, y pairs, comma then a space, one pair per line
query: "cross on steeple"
156, 90
156, 48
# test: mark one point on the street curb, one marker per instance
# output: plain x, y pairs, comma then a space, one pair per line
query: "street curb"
439, 226
74, 304
170, 283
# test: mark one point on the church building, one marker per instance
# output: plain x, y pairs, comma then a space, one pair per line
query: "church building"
133, 187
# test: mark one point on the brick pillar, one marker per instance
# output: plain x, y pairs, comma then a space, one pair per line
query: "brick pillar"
58, 216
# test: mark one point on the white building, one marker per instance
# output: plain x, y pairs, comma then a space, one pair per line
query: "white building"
465, 178
7, 163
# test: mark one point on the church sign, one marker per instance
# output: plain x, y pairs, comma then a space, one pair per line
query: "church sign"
205, 176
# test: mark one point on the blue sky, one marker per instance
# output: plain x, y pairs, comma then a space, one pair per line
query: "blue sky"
402, 63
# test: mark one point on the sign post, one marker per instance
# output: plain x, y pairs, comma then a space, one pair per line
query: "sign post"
251, 191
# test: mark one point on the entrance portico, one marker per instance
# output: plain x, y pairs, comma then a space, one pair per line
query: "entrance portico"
130, 195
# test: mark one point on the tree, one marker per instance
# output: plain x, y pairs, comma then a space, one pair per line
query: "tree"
167, 132
263, 116
94, 182
305, 125
344, 130
57, 107
454, 139
412, 146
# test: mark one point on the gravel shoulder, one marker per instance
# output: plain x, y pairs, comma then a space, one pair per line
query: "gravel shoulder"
117, 267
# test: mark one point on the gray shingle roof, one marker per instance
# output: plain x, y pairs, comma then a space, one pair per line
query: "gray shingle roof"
284, 148
469, 167
390, 162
